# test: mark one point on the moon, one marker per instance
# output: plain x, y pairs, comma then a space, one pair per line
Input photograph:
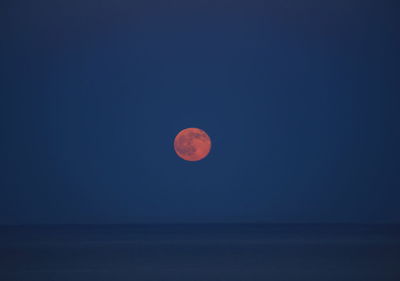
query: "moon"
192, 144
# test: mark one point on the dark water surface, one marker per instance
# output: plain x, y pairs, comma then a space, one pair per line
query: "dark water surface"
242, 252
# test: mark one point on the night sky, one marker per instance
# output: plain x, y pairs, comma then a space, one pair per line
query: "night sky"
301, 100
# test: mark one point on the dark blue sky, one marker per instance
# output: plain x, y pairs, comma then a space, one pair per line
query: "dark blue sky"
300, 98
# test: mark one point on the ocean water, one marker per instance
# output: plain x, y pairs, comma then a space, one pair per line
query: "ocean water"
207, 252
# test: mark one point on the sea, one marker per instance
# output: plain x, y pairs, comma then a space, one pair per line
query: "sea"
201, 252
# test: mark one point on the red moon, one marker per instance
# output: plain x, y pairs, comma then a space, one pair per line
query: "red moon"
192, 144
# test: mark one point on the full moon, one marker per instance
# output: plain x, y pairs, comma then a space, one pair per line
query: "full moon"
192, 144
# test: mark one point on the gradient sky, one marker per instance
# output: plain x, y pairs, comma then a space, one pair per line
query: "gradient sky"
300, 98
